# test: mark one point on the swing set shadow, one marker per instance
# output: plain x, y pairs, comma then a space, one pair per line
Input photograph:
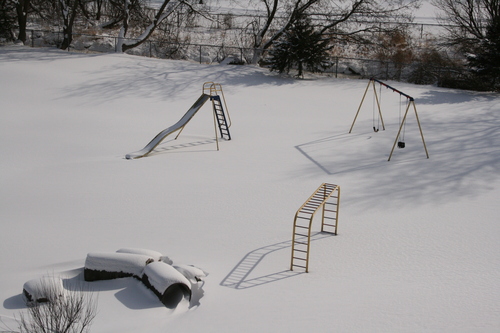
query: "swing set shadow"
410, 102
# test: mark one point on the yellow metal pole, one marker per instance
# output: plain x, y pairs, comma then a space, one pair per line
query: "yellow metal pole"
293, 239
204, 87
360, 104
399, 132
309, 243
338, 208
179, 133
420, 128
215, 125
225, 105
323, 210
378, 105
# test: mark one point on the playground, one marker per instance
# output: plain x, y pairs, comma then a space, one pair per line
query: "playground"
416, 246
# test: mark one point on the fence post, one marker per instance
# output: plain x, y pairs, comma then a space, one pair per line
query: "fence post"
336, 66
32, 38
200, 54
150, 50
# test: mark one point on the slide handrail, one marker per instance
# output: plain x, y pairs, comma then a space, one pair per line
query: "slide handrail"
213, 89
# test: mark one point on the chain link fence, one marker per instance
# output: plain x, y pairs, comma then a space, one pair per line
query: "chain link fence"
414, 71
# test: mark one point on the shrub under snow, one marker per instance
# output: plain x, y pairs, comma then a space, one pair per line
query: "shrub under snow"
44, 289
106, 266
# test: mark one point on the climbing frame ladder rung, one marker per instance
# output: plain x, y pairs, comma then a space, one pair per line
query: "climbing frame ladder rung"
319, 199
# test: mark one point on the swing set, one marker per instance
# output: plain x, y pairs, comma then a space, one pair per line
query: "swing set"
378, 120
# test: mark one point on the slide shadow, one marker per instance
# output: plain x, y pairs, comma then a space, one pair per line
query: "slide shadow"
167, 147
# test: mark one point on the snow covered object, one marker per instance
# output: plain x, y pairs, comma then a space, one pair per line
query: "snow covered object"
192, 273
43, 289
167, 283
106, 266
156, 255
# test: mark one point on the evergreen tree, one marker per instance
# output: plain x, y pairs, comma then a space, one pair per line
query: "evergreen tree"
486, 62
300, 47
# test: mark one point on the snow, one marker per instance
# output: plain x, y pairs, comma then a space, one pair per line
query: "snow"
417, 244
151, 253
162, 275
43, 288
129, 263
191, 272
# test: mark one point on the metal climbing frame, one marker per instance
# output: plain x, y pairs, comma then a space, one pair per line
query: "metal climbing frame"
327, 197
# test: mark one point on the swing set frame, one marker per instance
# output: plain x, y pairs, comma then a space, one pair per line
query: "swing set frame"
410, 102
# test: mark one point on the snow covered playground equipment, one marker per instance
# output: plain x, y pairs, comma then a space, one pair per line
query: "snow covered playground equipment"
327, 197
170, 283
210, 90
378, 119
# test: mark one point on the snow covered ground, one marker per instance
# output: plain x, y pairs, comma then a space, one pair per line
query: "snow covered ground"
417, 249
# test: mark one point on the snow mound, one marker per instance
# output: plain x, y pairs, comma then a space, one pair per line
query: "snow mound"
106, 266
43, 289
191, 272
154, 254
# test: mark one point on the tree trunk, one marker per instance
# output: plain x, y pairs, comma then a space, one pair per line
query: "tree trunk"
297, 9
22, 7
69, 10
160, 16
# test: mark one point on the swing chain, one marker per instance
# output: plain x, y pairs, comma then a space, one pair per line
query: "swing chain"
401, 139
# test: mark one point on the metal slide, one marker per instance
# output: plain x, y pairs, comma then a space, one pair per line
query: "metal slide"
166, 132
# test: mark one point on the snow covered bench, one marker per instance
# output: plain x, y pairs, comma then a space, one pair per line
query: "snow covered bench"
107, 266
167, 283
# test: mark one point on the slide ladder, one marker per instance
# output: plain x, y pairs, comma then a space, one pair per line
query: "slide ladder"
220, 117
327, 197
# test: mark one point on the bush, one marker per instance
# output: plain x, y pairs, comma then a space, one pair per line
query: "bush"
71, 312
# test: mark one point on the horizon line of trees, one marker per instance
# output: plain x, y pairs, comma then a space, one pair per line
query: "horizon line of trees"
474, 31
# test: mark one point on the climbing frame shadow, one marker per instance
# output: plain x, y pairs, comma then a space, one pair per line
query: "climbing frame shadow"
240, 276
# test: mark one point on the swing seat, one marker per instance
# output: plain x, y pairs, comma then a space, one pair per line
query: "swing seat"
401, 144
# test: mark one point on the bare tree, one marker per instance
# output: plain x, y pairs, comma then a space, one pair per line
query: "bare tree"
330, 16
473, 28
467, 20
166, 9
163, 12
72, 312
68, 11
